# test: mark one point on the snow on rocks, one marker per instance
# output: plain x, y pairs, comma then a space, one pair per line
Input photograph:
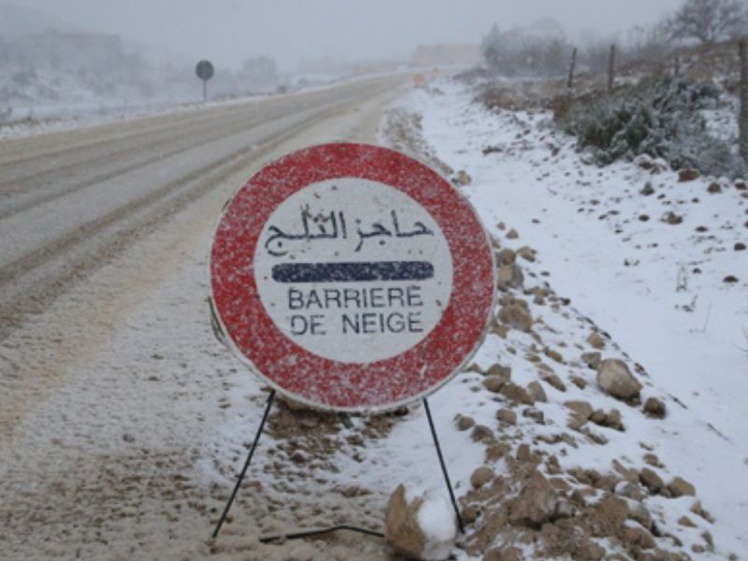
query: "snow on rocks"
593, 453
615, 378
420, 525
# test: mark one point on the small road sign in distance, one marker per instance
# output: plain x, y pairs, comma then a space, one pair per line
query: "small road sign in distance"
204, 70
352, 277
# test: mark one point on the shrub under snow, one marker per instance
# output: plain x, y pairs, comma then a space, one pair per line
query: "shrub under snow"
660, 117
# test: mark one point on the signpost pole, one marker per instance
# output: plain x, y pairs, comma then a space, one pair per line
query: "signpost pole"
205, 71
271, 398
444, 467
341, 264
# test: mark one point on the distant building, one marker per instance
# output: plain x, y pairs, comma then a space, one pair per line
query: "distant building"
447, 55
74, 52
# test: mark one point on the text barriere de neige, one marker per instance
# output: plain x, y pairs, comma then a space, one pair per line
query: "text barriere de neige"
365, 310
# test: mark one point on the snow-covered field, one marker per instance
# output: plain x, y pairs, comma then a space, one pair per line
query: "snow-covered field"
135, 454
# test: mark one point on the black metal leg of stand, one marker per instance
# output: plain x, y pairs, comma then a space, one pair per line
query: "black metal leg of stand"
271, 397
444, 467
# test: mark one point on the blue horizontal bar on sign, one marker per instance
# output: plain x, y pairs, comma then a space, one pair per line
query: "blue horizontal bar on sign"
353, 272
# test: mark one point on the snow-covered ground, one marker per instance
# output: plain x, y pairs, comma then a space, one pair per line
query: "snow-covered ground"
135, 453
660, 290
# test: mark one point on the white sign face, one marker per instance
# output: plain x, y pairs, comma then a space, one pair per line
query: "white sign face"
353, 270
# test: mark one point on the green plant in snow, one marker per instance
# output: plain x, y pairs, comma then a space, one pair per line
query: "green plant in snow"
660, 117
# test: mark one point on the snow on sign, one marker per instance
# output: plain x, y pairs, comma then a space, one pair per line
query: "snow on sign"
352, 277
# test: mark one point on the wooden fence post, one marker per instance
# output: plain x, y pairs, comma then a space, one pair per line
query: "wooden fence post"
570, 82
611, 67
743, 117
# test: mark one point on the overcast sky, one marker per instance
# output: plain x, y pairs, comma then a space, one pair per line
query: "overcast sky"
228, 31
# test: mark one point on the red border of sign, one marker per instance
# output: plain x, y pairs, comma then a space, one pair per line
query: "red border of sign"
325, 383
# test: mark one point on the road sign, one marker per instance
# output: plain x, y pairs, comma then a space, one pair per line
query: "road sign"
352, 277
204, 70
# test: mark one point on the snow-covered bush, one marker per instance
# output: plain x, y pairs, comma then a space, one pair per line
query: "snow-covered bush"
660, 117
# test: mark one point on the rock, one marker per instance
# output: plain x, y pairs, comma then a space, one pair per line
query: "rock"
652, 460
685, 175
579, 382
512, 234
516, 393
462, 178
596, 340
507, 416
638, 537
639, 513
535, 414
686, 521
593, 359
497, 451
506, 257
420, 527
524, 454
730, 279
564, 509
516, 314
699, 510
629, 491
615, 378
739, 246
599, 417
470, 514
481, 433
527, 253
582, 408
537, 392
499, 370
499, 329
402, 530
654, 408
554, 381
596, 437
504, 553
510, 276
647, 190
651, 480
629, 474
535, 504
553, 355
714, 188
679, 487
672, 218
481, 476
614, 420
464, 422
588, 550
494, 383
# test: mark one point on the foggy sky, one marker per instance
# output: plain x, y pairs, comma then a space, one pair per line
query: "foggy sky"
228, 31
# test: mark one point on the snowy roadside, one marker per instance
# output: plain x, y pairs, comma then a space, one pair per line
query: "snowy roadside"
31, 120
136, 451
661, 289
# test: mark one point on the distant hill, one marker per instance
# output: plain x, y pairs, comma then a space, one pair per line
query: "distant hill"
16, 21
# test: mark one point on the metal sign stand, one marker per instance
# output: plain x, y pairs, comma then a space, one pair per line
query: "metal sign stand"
298, 535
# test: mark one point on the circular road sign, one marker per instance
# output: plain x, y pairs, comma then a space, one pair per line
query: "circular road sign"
204, 70
352, 277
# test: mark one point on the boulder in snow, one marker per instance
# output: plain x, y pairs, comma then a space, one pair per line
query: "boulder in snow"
420, 525
615, 378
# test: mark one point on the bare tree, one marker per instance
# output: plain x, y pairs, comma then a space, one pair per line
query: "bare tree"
708, 20
535, 51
